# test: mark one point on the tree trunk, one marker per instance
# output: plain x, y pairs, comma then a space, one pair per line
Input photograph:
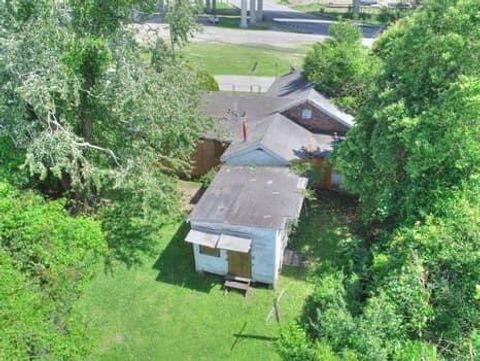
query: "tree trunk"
87, 129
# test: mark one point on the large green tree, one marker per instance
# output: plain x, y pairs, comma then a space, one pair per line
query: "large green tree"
94, 117
412, 158
416, 138
78, 95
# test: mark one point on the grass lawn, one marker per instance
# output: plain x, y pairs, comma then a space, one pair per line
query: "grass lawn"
164, 310
219, 58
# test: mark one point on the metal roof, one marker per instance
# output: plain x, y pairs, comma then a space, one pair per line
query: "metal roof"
221, 241
264, 197
295, 89
230, 110
277, 135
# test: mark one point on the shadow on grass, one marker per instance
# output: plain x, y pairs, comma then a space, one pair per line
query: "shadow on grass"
176, 266
324, 223
298, 273
240, 336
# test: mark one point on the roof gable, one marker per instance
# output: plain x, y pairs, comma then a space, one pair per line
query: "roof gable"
276, 135
296, 88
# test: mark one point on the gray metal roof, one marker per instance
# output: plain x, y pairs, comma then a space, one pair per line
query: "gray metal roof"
264, 197
277, 135
231, 109
295, 89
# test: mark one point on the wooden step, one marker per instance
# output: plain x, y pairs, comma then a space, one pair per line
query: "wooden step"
238, 283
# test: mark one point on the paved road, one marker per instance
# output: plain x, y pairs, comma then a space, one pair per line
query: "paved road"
275, 38
216, 34
294, 20
252, 84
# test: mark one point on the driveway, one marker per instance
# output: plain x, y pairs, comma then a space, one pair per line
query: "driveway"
239, 83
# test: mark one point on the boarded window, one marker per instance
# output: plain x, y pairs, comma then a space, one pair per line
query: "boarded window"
306, 113
209, 251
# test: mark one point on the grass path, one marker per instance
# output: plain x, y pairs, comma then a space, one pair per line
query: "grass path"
164, 310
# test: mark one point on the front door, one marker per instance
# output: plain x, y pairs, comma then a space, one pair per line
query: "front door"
239, 264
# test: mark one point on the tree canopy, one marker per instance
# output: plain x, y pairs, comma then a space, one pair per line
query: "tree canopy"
341, 67
92, 135
406, 287
78, 96
95, 120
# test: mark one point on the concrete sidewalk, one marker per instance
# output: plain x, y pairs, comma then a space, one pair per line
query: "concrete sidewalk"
241, 83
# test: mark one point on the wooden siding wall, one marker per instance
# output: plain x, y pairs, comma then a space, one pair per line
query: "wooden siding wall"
318, 123
266, 248
207, 155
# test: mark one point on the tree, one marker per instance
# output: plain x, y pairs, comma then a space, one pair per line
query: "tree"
412, 158
341, 67
97, 122
415, 137
86, 108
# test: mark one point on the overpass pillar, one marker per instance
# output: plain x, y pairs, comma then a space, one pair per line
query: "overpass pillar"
259, 10
253, 17
243, 16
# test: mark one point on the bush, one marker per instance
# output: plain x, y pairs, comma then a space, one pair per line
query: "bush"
46, 259
294, 345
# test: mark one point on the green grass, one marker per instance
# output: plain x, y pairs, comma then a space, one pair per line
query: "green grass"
327, 220
219, 58
164, 310
224, 5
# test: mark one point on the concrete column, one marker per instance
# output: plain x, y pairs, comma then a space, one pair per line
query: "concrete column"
243, 16
253, 17
259, 10
356, 8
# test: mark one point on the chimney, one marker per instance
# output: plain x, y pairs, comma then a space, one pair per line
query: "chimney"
244, 128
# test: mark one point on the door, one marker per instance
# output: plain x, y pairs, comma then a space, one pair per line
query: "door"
240, 264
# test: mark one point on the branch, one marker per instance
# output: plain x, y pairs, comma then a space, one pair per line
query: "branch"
96, 147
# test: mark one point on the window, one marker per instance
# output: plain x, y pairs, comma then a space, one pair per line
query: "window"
306, 113
209, 251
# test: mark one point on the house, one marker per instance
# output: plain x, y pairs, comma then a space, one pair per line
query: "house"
240, 225
292, 121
